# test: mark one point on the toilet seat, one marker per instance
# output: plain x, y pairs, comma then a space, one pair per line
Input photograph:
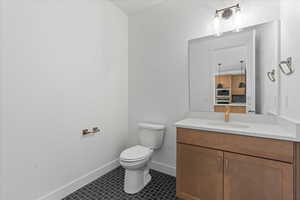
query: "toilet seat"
136, 153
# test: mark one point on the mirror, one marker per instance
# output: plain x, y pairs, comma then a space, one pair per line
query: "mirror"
235, 68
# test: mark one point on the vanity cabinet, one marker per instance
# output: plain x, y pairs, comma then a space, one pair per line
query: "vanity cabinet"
218, 166
250, 178
203, 164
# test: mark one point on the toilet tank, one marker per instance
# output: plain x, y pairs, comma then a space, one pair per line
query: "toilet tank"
151, 135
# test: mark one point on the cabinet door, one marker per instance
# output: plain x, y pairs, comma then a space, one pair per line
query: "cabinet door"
235, 83
199, 173
250, 178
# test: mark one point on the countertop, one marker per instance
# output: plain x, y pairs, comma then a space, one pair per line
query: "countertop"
255, 129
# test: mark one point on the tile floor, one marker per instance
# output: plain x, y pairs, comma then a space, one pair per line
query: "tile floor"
110, 187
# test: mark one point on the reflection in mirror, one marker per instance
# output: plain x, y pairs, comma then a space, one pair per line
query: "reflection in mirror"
231, 70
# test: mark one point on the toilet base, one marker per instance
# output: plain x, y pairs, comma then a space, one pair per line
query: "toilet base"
136, 180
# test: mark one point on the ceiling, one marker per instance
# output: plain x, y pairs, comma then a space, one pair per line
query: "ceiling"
133, 6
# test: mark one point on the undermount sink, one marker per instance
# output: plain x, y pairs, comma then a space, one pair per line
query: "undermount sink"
228, 124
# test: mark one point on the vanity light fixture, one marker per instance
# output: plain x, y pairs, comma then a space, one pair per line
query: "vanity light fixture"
225, 14
238, 18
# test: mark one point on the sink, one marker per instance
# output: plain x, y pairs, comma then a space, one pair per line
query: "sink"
228, 124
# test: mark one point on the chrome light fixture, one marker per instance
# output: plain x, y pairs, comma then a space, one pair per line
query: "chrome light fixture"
225, 14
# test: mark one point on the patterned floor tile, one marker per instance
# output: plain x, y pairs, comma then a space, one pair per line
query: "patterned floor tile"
110, 187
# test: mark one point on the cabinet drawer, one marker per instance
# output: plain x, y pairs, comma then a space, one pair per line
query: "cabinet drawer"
254, 146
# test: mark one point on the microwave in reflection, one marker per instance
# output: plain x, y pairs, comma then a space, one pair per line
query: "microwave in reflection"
223, 92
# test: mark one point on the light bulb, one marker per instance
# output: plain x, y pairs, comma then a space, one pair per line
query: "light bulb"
217, 25
238, 19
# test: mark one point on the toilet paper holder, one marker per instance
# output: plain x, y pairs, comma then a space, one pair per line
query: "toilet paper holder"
90, 131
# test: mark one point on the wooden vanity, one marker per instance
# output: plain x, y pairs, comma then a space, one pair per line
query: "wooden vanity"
222, 166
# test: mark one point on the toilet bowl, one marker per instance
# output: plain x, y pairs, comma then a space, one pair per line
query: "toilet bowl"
136, 159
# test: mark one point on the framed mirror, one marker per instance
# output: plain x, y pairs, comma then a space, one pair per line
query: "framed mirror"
233, 70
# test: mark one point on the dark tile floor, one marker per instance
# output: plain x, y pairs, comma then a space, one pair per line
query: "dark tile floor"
110, 187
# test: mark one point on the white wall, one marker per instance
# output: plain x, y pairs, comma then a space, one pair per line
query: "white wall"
158, 74
290, 41
64, 67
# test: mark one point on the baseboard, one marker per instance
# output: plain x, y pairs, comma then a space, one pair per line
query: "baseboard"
164, 168
76, 184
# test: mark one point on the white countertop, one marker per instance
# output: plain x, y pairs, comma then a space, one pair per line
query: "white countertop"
256, 129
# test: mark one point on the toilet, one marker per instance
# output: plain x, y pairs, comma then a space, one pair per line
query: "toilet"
136, 159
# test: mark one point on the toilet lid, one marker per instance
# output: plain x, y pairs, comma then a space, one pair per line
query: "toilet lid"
135, 153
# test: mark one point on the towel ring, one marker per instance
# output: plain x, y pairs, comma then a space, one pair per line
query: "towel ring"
271, 75
287, 66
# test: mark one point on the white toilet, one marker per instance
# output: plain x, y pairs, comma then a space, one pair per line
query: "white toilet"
136, 159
